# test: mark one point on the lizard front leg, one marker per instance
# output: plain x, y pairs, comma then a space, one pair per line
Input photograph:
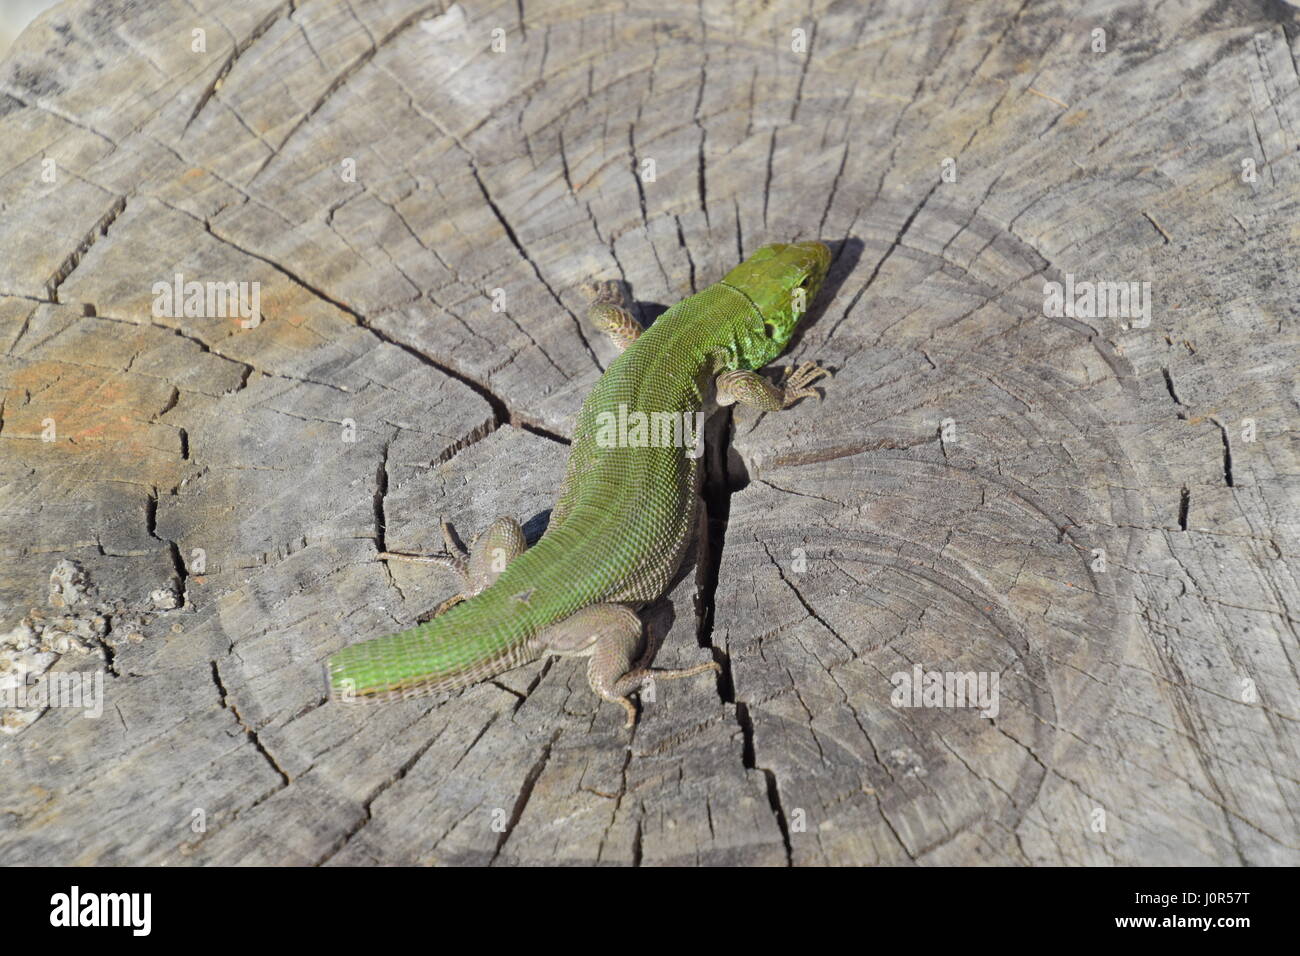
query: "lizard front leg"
611, 312
609, 634
750, 388
487, 557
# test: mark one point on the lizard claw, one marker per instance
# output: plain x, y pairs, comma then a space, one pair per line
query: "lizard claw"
798, 382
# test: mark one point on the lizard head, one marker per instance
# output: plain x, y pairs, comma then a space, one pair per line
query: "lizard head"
781, 280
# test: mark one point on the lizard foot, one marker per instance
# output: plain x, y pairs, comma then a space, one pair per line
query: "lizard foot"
798, 382
611, 312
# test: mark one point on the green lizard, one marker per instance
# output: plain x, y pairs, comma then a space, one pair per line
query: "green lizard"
626, 509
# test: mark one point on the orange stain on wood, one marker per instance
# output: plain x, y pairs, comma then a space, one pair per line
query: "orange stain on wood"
89, 407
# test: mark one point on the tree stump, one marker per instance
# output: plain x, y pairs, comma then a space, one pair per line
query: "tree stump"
1091, 510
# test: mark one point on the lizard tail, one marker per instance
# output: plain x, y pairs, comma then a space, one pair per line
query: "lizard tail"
468, 643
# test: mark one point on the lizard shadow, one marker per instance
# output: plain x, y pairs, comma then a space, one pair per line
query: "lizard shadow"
647, 312
536, 526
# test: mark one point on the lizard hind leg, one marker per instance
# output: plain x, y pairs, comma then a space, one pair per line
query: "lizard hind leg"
491, 552
609, 635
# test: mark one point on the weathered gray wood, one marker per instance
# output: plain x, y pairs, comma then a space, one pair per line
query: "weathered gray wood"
862, 536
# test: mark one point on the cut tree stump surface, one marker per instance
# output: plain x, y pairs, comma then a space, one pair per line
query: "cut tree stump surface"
1098, 511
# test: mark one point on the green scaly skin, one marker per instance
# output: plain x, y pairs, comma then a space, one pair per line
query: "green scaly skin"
624, 515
